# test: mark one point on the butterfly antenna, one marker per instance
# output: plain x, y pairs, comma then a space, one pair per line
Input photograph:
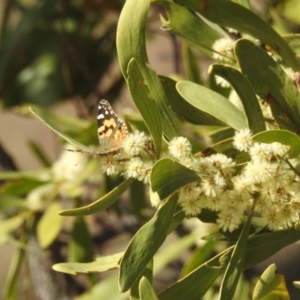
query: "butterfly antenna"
80, 151
86, 157
74, 150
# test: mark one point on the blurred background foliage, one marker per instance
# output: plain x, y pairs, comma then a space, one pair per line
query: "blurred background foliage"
53, 51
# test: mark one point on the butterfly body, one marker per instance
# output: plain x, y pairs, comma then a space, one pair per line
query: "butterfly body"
111, 130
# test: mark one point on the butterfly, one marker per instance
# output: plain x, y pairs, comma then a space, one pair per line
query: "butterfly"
111, 130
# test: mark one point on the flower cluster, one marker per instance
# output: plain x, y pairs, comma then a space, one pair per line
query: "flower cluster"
224, 49
266, 184
135, 159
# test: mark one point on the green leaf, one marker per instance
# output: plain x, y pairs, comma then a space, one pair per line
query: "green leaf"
148, 274
226, 147
270, 82
167, 176
101, 264
246, 93
50, 225
258, 225
177, 219
39, 153
281, 136
259, 248
208, 216
193, 30
106, 288
11, 202
39, 114
271, 285
296, 284
228, 14
11, 224
80, 244
219, 134
22, 186
293, 41
199, 256
139, 200
244, 3
103, 203
212, 103
145, 243
165, 256
185, 109
41, 175
10, 290
190, 63
263, 246
147, 106
146, 290
133, 30
196, 283
236, 264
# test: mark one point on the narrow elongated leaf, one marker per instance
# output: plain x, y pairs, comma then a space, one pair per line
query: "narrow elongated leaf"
244, 3
296, 284
80, 244
106, 288
191, 29
172, 251
195, 284
229, 14
191, 64
281, 136
263, 246
41, 175
131, 44
259, 248
257, 226
10, 288
102, 264
293, 40
270, 82
148, 274
47, 122
145, 243
177, 219
39, 153
140, 94
199, 256
236, 264
168, 176
20, 187
185, 109
246, 93
271, 285
138, 200
50, 225
8, 202
226, 147
103, 203
11, 224
146, 290
212, 103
